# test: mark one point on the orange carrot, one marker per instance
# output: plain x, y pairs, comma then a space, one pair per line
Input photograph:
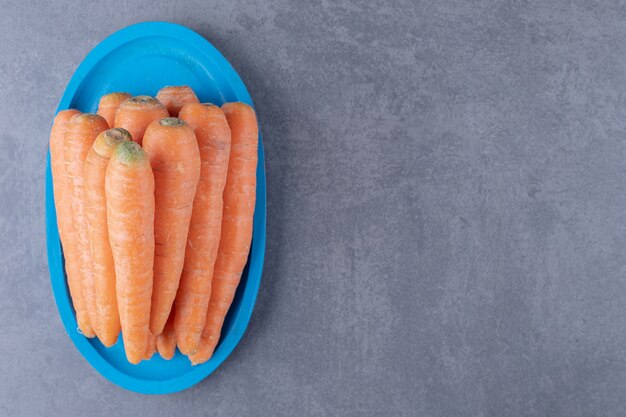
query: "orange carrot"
151, 347
129, 189
175, 97
82, 131
96, 212
173, 151
108, 106
192, 299
65, 218
166, 341
135, 114
239, 198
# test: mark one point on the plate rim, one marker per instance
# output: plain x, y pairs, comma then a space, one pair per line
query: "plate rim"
257, 250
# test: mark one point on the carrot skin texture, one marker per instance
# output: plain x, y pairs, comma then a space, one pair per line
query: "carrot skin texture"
175, 159
82, 131
103, 268
136, 114
166, 341
236, 234
129, 187
192, 300
175, 97
151, 346
65, 221
108, 105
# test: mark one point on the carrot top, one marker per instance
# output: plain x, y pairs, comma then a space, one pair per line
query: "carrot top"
172, 122
114, 95
142, 102
109, 139
89, 117
129, 152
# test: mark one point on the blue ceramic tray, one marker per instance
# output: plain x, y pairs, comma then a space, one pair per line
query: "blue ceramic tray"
140, 59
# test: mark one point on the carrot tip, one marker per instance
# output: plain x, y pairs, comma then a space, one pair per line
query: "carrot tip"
89, 336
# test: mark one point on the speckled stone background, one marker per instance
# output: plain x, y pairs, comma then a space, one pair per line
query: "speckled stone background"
446, 208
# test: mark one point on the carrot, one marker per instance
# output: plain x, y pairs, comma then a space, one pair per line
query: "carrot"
173, 151
151, 346
82, 131
108, 105
192, 299
175, 97
239, 198
65, 221
166, 341
136, 113
96, 212
129, 189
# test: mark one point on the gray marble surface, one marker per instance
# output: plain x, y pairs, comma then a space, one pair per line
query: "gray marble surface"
446, 208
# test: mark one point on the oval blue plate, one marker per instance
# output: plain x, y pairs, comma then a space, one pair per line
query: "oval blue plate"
141, 59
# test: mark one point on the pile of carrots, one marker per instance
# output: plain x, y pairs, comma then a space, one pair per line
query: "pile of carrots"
155, 200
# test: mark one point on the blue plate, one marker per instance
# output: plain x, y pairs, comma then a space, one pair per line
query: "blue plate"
141, 59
